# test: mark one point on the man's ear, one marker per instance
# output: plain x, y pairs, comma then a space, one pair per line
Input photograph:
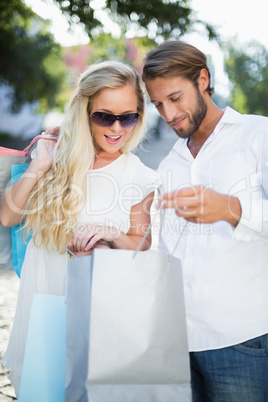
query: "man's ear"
203, 80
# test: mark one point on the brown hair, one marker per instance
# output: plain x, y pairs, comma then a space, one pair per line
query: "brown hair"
176, 58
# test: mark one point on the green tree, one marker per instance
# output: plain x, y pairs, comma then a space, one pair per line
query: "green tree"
248, 72
30, 59
156, 18
105, 46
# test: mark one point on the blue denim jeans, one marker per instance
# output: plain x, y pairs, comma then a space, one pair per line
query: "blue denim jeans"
234, 374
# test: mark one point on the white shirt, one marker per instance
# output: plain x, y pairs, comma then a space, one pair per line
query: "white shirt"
225, 269
113, 190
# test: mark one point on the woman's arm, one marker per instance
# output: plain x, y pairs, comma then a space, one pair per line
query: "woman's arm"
139, 221
14, 198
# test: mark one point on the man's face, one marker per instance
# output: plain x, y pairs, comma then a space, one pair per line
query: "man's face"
179, 102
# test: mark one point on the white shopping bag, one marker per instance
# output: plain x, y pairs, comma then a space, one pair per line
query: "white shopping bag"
126, 329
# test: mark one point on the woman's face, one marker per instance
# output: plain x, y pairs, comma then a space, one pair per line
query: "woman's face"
118, 101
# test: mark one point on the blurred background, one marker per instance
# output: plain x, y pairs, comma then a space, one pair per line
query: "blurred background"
46, 44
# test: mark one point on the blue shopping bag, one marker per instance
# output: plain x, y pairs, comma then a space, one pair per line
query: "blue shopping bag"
18, 244
43, 372
13, 164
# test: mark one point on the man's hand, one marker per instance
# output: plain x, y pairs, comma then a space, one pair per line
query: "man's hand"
201, 204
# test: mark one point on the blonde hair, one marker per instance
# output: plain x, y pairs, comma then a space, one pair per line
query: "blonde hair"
175, 58
57, 198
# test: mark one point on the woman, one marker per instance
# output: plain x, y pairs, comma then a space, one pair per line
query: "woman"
86, 191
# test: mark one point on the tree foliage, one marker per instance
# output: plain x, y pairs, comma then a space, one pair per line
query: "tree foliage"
30, 58
248, 72
107, 47
31, 61
157, 18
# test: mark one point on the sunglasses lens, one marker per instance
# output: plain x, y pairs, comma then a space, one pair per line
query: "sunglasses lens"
129, 120
102, 119
107, 120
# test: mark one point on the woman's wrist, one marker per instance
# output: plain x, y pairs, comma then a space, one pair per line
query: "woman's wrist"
38, 167
106, 243
117, 240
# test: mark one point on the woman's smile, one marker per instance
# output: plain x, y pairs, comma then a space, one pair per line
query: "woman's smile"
113, 139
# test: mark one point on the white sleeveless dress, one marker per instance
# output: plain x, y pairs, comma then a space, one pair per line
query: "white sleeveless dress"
111, 192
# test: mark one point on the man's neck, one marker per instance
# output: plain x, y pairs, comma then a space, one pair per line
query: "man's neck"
207, 127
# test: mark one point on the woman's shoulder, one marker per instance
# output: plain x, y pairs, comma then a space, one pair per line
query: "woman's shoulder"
140, 172
129, 156
134, 161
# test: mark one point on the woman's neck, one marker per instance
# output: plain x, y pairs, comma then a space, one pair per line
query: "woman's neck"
104, 158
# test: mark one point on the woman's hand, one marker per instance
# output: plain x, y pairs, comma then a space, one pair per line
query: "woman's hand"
89, 237
14, 198
84, 253
44, 153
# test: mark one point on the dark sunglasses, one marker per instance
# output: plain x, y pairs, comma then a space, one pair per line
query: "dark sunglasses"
107, 120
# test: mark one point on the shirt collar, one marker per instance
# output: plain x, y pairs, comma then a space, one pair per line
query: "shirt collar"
230, 116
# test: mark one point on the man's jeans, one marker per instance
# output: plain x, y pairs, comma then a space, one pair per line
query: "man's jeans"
234, 374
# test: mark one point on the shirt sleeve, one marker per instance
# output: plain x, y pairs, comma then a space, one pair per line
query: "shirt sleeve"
253, 197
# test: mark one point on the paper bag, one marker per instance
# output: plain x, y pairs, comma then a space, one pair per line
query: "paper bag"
12, 159
18, 244
126, 329
43, 372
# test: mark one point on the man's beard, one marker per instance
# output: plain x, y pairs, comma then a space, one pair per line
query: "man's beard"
194, 121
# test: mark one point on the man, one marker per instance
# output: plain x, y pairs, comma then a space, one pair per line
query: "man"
216, 178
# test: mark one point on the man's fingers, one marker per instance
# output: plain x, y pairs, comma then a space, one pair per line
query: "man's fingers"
181, 203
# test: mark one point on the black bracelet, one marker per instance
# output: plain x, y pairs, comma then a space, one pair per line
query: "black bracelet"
106, 243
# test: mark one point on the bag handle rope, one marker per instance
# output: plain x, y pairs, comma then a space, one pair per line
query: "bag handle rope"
53, 137
148, 231
71, 254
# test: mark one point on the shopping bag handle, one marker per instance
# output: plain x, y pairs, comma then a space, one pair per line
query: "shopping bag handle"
71, 254
148, 231
53, 137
